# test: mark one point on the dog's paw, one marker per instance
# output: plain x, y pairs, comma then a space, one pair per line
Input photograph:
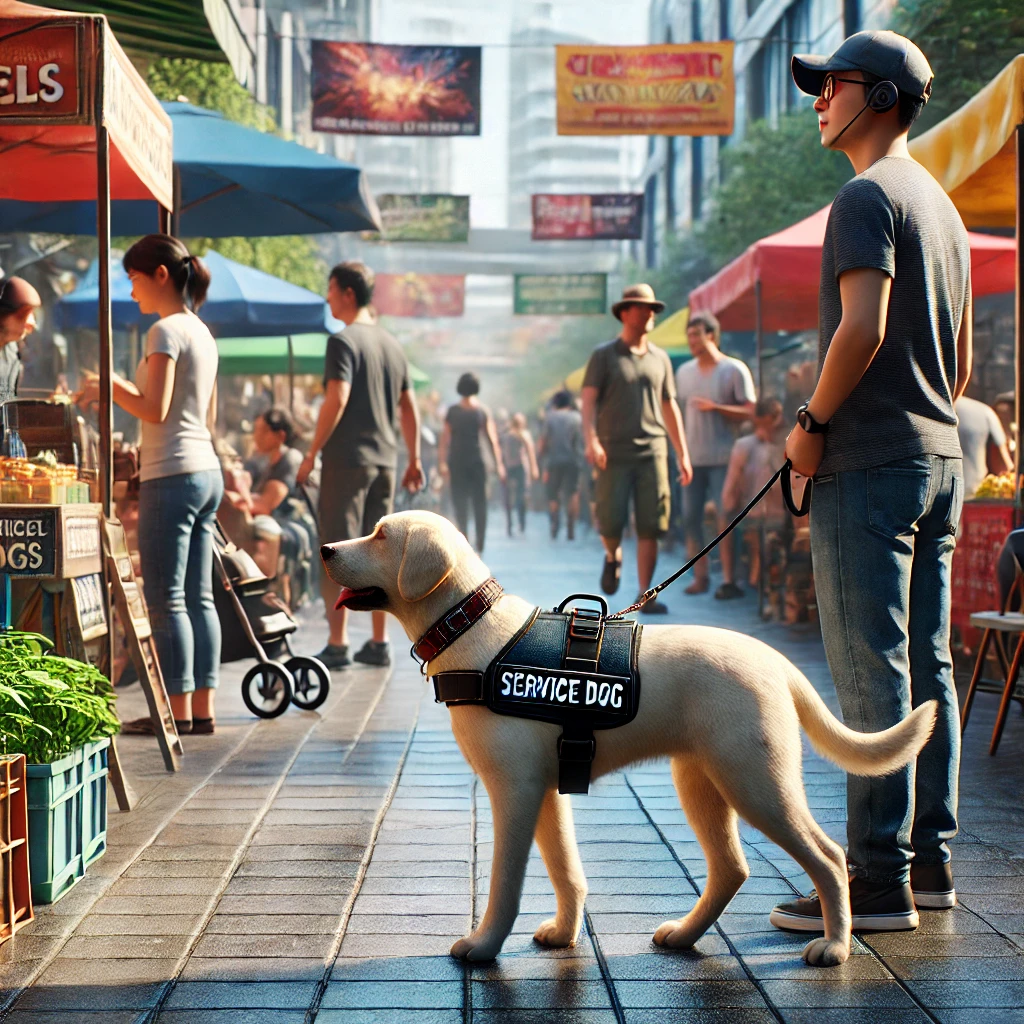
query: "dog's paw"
675, 935
826, 952
555, 937
475, 948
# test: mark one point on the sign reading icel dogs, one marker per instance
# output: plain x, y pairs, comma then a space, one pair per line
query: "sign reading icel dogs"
673, 89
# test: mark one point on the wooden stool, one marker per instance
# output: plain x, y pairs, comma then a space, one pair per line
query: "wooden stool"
993, 623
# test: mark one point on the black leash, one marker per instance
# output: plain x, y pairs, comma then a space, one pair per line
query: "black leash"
785, 474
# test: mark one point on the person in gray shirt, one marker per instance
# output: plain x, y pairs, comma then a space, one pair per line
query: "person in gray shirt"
879, 435
983, 441
560, 447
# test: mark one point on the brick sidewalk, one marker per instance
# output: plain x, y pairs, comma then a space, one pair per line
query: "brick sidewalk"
318, 867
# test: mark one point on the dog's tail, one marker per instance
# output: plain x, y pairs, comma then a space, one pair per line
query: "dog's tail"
872, 753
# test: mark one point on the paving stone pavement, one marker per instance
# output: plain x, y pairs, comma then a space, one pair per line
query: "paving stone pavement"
318, 867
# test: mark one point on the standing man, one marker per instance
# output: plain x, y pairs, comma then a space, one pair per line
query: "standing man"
629, 408
561, 447
716, 394
19, 302
983, 442
879, 436
367, 401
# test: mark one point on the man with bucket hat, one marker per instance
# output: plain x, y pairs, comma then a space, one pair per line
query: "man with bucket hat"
879, 436
629, 415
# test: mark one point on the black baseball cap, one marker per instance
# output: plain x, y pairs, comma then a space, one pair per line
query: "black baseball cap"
882, 54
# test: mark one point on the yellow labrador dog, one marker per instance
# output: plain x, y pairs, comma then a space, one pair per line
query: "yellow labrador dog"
725, 708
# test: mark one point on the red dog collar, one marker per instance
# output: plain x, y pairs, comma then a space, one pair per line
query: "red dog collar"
456, 621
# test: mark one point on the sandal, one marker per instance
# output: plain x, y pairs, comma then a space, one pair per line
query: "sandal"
145, 727
610, 575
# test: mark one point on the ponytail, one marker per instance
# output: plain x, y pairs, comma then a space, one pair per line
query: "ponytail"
189, 273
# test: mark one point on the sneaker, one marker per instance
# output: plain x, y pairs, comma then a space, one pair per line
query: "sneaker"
203, 726
932, 885
610, 575
698, 587
374, 652
728, 592
653, 607
876, 907
335, 656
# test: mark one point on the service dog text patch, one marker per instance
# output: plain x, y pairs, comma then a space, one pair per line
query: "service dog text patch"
541, 688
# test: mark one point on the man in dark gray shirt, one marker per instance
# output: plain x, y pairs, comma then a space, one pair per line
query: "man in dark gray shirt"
879, 436
561, 450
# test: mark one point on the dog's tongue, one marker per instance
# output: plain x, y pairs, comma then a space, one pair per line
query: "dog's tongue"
345, 595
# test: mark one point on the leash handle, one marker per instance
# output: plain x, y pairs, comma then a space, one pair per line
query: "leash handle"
787, 491
595, 598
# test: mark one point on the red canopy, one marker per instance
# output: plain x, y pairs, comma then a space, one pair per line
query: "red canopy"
788, 266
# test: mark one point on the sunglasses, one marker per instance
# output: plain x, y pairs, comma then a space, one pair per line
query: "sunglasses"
828, 85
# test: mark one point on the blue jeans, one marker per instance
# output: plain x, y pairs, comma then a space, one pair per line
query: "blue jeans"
176, 516
706, 485
882, 541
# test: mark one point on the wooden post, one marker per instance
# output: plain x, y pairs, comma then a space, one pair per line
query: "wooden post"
758, 339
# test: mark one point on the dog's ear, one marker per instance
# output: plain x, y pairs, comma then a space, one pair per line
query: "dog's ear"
427, 560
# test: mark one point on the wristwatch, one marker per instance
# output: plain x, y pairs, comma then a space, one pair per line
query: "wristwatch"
808, 422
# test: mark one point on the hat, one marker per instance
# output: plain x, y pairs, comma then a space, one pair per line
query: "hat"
637, 295
881, 54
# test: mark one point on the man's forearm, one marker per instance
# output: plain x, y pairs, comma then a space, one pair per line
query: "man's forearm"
849, 356
410, 421
330, 416
589, 415
736, 412
674, 426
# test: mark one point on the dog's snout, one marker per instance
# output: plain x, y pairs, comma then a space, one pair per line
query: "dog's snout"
326, 552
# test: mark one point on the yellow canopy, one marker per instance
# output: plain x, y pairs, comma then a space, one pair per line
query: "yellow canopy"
971, 152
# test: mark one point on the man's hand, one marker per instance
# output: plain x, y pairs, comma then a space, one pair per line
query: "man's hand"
596, 455
413, 479
502, 475
305, 468
442, 468
704, 404
805, 450
685, 468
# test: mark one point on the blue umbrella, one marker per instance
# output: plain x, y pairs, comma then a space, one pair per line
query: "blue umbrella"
232, 180
242, 302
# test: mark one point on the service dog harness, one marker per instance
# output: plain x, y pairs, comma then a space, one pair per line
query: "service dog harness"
576, 668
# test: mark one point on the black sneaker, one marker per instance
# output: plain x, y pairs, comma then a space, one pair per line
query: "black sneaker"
876, 907
932, 885
374, 652
610, 575
335, 656
653, 607
728, 592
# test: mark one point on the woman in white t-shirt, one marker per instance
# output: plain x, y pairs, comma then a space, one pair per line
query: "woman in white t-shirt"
182, 483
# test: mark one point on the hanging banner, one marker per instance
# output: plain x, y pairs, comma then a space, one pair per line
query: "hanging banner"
426, 295
43, 73
605, 215
422, 218
373, 89
671, 89
560, 294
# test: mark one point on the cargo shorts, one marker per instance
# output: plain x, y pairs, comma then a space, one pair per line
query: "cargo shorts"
352, 499
645, 480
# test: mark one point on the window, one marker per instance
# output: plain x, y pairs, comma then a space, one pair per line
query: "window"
695, 21
723, 19
696, 176
670, 183
851, 17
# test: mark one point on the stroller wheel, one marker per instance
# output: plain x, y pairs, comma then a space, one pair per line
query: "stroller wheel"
267, 689
312, 682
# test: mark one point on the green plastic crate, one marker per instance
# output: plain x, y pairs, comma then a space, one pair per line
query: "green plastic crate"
67, 819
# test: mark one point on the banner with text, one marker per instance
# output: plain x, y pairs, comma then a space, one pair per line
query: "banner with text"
422, 218
426, 295
374, 89
671, 89
606, 215
560, 294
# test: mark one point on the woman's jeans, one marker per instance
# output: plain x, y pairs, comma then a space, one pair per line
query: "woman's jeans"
469, 487
176, 516
515, 496
882, 541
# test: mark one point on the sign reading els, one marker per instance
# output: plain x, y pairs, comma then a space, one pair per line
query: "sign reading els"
39, 71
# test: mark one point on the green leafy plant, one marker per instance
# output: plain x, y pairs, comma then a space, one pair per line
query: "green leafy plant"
49, 705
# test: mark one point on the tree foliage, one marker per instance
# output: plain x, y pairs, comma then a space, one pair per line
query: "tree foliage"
967, 43
294, 258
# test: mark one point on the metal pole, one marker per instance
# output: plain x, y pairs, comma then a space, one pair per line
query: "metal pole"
106, 409
175, 218
1018, 326
261, 53
287, 113
758, 339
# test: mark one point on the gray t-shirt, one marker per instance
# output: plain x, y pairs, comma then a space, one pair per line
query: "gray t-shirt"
563, 437
710, 435
978, 427
895, 217
373, 363
630, 391
182, 443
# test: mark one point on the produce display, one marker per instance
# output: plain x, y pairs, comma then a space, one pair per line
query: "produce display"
49, 705
995, 486
41, 480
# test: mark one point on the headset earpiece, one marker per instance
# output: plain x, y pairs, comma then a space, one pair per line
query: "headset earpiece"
882, 97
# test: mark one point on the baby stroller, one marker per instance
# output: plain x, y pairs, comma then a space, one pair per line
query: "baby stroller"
255, 621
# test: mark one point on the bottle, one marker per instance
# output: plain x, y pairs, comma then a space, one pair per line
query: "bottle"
14, 447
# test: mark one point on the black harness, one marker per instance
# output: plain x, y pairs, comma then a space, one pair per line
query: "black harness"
575, 668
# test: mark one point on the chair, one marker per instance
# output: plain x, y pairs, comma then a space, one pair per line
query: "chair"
1010, 573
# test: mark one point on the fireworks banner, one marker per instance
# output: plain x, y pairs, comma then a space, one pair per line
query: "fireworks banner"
681, 89
373, 89
422, 218
425, 295
605, 215
560, 294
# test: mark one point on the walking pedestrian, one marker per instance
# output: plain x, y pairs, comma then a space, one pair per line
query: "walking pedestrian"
368, 403
520, 459
467, 426
629, 415
716, 394
175, 397
879, 436
561, 447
